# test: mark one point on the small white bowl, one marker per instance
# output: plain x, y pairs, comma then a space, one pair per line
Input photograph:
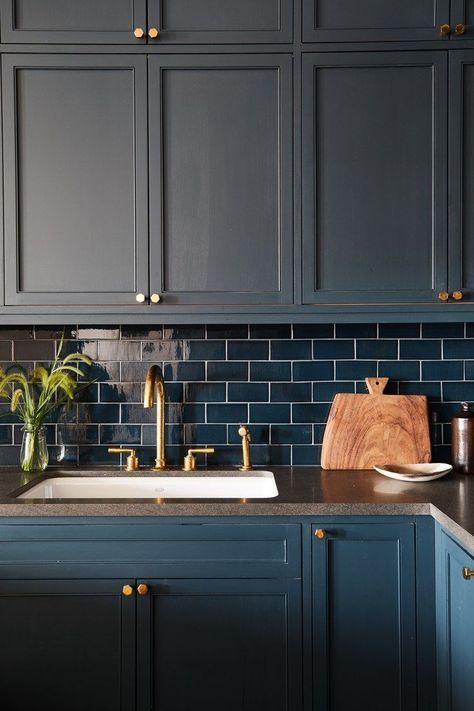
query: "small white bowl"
414, 472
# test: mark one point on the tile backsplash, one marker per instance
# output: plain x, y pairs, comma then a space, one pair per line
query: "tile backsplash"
280, 379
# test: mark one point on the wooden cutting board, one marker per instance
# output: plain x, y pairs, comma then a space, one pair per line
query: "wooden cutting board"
363, 430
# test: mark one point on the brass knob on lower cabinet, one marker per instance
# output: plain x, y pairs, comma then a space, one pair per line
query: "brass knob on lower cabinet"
443, 296
127, 590
457, 295
153, 32
139, 32
445, 29
140, 298
142, 589
467, 573
155, 298
460, 29
320, 533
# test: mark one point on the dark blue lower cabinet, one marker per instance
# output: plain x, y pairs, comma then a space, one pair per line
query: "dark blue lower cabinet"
219, 645
66, 644
364, 617
455, 626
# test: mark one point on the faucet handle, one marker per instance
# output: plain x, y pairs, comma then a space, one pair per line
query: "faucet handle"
190, 464
246, 439
132, 459
244, 432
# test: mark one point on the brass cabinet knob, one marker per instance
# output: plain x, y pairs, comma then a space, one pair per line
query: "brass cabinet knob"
457, 295
445, 29
142, 589
460, 29
127, 590
155, 298
443, 296
139, 32
140, 298
320, 533
153, 32
467, 573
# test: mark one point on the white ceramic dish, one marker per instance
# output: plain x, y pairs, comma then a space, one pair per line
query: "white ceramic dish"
414, 473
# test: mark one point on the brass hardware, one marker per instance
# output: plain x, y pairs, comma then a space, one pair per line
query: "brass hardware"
320, 533
155, 298
457, 295
140, 298
139, 32
245, 434
142, 589
154, 382
467, 573
153, 32
445, 29
132, 459
460, 29
443, 296
127, 590
190, 463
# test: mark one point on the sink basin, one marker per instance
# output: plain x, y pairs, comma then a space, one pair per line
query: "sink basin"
215, 485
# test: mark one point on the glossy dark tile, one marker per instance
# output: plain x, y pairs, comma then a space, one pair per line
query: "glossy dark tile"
98, 413
443, 370
205, 392
183, 332
205, 350
420, 350
227, 371
120, 392
270, 331
313, 370
270, 413
310, 413
376, 349
400, 370
313, 330
235, 413
120, 434
356, 330
324, 392
247, 350
29, 350
184, 371
248, 392
197, 435
119, 350
216, 331
290, 392
306, 456
399, 330
291, 434
270, 371
444, 330
16, 334
291, 350
430, 389
459, 348
356, 370
337, 349
94, 333
458, 391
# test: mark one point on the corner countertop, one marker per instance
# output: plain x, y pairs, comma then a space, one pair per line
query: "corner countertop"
303, 491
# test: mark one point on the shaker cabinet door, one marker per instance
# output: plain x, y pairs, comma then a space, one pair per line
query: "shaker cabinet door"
71, 21
75, 179
373, 20
221, 179
374, 177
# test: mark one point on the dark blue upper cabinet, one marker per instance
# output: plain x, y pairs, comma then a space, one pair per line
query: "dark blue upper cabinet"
221, 21
364, 626
75, 179
455, 626
221, 179
367, 20
461, 174
374, 177
69, 21
462, 19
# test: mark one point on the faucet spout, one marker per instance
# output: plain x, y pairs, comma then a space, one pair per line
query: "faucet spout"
155, 386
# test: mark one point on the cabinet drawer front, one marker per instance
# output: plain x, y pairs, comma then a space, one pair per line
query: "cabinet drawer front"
71, 21
182, 550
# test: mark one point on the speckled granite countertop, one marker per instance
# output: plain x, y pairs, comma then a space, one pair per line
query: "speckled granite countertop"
303, 491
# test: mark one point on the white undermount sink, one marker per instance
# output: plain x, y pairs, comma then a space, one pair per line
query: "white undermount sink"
215, 485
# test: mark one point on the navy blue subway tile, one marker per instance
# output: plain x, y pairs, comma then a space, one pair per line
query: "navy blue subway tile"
5, 434
413, 387
458, 391
247, 350
228, 455
447, 432
290, 392
99, 413
376, 349
234, 413
248, 392
50, 434
95, 333
443, 411
133, 372
469, 370
9, 455
436, 434
442, 370
400, 370
457, 348
270, 371
306, 455
291, 350
355, 370
442, 330
174, 333
46, 333
399, 330
88, 348
316, 412
174, 434
227, 370
28, 350
184, 371
205, 350
95, 454
205, 392
259, 433
101, 372
136, 414
16, 334
197, 435
313, 370
318, 433
324, 392
162, 350
218, 331
336, 349
270, 331
291, 434
469, 330
185, 413
313, 330
120, 434
270, 413
141, 333
356, 330
77, 434
87, 392
420, 349
277, 455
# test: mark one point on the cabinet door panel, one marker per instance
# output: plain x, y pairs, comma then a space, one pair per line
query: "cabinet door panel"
236, 642
327, 20
364, 645
220, 179
461, 175
374, 177
75, 179
68, 644
195, 21
462, 12
69, 21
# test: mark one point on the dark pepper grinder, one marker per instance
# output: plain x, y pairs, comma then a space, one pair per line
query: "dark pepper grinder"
462, 438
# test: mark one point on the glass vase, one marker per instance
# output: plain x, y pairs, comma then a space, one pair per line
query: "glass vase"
34, 451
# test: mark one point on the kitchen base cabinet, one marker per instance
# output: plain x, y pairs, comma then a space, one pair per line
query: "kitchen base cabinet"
66, 644
364, 617
455, 625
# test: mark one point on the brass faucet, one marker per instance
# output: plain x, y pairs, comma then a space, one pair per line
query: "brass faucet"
245, 434
154, 382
